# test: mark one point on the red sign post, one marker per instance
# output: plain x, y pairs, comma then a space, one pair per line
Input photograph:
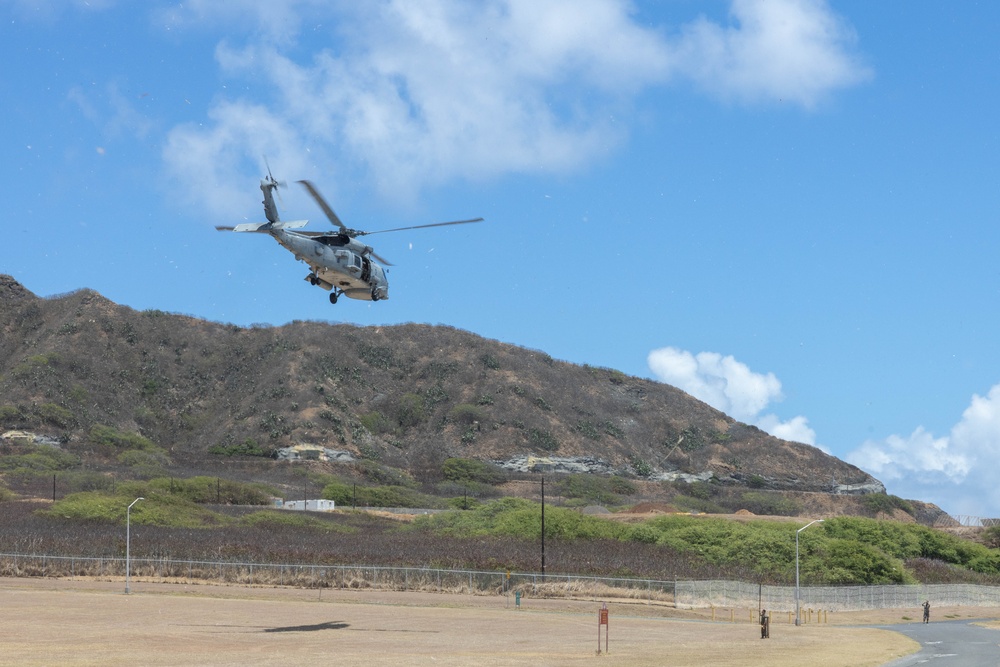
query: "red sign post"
602, 619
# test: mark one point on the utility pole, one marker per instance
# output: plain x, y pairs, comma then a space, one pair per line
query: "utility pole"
543, 527
797, 594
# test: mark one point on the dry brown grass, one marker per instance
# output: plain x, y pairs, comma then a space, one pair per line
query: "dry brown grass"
87, 622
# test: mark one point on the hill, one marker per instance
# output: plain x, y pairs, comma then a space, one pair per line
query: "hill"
139, 392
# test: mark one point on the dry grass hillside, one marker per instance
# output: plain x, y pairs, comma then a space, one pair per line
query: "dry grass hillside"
92, 374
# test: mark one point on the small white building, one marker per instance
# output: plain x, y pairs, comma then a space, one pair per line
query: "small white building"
314, 505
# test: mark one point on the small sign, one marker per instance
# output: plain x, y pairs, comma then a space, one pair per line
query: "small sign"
602, 619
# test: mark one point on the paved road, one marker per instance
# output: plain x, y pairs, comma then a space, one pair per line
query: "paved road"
949, 644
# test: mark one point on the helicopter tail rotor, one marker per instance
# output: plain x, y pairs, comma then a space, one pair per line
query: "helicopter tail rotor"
271, 180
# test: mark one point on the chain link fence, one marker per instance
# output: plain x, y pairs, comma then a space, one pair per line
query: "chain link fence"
681, 594
737, 594
341, 576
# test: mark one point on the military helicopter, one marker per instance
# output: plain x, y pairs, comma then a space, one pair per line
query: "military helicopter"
339, 263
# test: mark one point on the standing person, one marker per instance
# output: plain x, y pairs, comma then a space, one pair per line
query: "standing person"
927, 611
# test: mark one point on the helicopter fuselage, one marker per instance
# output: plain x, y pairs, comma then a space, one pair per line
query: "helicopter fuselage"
339, 263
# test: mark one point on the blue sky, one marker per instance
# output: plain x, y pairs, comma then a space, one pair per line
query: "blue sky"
787, 208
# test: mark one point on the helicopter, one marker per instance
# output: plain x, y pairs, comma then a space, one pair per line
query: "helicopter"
338, 262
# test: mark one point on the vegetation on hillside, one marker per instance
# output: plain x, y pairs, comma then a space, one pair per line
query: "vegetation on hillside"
843, 550
505, 533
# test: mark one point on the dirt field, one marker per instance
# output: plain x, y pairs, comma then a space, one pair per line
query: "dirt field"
79, 622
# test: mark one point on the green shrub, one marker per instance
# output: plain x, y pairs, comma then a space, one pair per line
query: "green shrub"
156, 509
622, 486
6, 494
463, 503
340, 493
380, 496
543, 440
381, 474
517, 518
85, 480
591, 488
56, 415
839, 561
138, 458
465, 413
700, 490
399, 496
991, 537
588, 430
769, 503
296, 520
41, 458
471, 470
248, 447
110, 441
641, 467
214, 490
875, 503
377, 356
411, 410
377, 423
11, 415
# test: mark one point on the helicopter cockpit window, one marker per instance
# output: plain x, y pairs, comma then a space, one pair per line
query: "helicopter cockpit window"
357, 261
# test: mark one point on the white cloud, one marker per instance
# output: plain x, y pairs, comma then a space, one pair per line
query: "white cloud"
796, 429
205, 160
730, 386
275, 21
957, 471
114, 113
420, 94
792, 50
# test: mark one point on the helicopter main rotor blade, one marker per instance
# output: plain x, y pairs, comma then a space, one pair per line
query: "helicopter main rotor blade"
436, 224
323, 205
381, 259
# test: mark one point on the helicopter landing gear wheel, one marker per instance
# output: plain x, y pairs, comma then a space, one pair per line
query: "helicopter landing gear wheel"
313, 280
375, 296
333, 297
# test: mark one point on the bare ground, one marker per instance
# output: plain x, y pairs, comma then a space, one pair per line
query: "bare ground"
86, 622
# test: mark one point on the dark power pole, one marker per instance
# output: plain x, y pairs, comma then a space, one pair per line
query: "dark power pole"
543, 527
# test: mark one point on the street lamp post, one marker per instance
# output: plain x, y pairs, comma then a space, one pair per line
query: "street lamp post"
797, 594
128, 541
